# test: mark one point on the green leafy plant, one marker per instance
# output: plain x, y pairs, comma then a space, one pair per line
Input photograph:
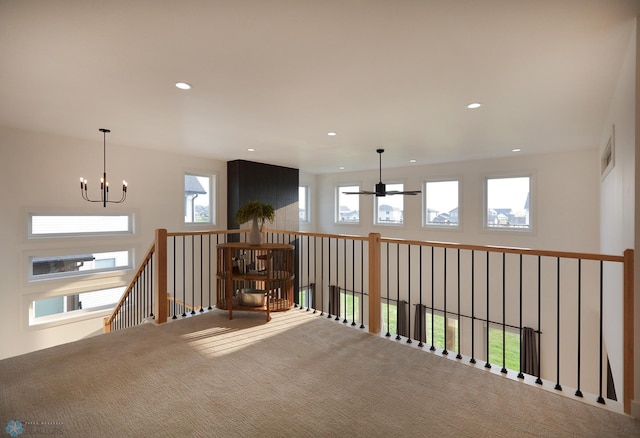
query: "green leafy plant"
255, 210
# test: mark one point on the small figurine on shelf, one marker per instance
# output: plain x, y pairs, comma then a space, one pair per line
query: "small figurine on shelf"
258, 212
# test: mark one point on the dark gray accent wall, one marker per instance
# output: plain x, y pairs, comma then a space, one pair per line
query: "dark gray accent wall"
248, 181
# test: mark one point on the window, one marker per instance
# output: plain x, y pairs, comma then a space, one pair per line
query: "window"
390, 209
56, 266
49, 309
199, 199
389, 317
303, 204
60, 225
439, 329
352, 302
441, 204
512, 348
347, 206
508, 203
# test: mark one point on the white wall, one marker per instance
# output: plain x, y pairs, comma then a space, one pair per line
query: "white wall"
41, 173
565, 215
618, 208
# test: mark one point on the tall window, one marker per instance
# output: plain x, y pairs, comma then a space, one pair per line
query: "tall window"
507, 203
441, 204
390, 209
199, 199
303, 204
347, 206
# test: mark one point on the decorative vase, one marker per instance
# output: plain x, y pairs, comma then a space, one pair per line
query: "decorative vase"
255, 236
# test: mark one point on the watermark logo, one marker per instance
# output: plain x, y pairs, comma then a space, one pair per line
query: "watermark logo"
14, 428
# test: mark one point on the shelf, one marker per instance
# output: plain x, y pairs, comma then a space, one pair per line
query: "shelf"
269, 267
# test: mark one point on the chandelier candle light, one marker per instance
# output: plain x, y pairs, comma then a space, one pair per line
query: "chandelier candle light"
104, 184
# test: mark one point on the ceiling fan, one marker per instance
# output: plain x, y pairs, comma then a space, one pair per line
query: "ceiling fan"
381, 187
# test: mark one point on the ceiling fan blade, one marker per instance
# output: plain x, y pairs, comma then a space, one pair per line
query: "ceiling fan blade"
407, 192
359, 193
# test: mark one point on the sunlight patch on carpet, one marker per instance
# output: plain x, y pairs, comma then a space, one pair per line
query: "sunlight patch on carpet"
219, 341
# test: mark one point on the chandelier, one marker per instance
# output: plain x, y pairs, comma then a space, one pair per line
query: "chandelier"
104, 184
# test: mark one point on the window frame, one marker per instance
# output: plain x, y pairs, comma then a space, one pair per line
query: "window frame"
70, 316
376, 219
532, 203
425, 224
33, 278
31, 215
212, 193
338, 191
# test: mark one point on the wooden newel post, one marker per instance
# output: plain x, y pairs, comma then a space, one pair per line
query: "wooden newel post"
628, 331
374, 283
160, 277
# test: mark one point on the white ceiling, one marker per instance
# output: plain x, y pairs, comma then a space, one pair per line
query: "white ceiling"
278, 75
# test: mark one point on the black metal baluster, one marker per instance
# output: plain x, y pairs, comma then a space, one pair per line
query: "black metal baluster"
309, 273
504, 309
201, 276
337, 318
600, 399
362, 284
315, 268
409, 294
346, 291
151, 287
398, 292
193, 275
473, 301
174, 280
520, 373
433, 305
296, 299
387, 271
353, 282
331, 293
578, 391
184, 277
421, 312
488, 363
322, 276
539, 380
558, 387
209, 269
459, 355
444, 278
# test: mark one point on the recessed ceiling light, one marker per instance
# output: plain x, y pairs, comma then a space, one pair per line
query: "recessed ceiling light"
412, 161
516, 150
331, 134
341, 167
474, 105
183, 85
251, 150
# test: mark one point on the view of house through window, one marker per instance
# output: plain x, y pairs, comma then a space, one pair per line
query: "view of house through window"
198, 198
441, 202
78, 264
348, 206
390, 209
507, 202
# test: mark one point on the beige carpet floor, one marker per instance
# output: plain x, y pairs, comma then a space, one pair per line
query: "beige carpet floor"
300, 375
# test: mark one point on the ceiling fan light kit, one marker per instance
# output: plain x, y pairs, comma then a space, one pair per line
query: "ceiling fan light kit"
381, 188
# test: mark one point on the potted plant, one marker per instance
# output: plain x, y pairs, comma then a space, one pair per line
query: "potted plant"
258, 212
